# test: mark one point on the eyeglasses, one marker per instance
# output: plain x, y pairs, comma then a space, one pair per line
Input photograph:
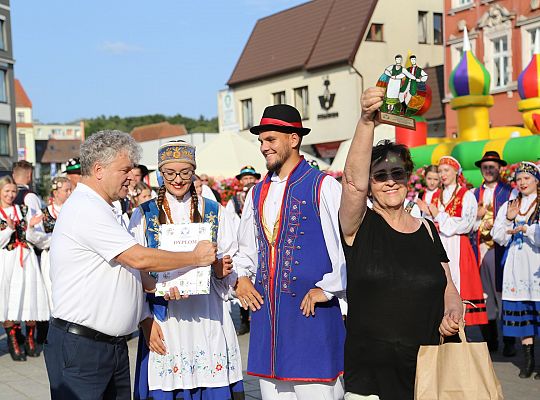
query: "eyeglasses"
397, 175
185, 174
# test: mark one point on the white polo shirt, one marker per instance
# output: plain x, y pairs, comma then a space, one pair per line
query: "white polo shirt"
88, 286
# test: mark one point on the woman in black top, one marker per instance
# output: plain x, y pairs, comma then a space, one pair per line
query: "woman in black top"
399, 295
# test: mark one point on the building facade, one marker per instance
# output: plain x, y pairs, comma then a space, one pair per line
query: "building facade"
26, 149
502, 35
8, 135
320, 56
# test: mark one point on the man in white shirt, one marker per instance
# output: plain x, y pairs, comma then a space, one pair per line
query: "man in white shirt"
289, 243
96, 283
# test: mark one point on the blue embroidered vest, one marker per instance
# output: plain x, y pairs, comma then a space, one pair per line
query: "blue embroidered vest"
150, 210
285, 344
500, 196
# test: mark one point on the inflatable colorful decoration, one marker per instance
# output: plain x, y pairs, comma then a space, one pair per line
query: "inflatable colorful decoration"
470, 77
529, 90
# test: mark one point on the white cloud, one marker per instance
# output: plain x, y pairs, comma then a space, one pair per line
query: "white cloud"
120, 48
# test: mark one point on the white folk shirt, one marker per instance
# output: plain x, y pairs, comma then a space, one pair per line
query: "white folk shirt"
450, 229
246, 261
88, 286
521, 281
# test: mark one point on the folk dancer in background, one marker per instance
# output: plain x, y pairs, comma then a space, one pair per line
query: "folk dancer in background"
491, 195
61, 189
247, 177
431, 176
23, 296
73, 171
454, 213
517, 227
289, 244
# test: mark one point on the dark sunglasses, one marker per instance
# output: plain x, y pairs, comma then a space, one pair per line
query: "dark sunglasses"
397, 175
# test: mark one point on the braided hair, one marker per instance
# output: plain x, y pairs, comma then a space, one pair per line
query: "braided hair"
162, 217
195, 214
536, 215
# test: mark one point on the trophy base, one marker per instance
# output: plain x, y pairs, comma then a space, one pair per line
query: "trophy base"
396, 120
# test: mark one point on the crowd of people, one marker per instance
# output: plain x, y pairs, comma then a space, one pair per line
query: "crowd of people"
339, 283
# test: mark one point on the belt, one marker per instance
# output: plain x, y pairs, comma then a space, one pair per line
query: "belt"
86, 332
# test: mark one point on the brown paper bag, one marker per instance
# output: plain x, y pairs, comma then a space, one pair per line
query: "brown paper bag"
456, 371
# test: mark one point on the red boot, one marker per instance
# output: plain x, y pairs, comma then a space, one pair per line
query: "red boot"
15, 350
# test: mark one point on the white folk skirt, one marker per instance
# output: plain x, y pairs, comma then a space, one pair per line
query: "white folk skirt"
23, 295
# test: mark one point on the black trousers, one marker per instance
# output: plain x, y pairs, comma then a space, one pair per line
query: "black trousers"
80, 368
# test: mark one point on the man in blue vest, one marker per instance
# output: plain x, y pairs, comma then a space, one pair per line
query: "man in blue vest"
491, 195
289, 246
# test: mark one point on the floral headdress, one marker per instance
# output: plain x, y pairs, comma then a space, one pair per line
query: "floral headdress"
530, 168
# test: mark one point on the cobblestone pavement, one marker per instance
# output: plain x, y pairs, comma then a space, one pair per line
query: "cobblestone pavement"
28, 380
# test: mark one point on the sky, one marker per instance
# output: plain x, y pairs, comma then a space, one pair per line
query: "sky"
85, 58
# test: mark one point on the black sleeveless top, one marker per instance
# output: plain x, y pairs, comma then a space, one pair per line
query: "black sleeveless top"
395, 295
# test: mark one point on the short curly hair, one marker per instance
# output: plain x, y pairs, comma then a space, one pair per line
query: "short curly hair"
104, 147
384, 147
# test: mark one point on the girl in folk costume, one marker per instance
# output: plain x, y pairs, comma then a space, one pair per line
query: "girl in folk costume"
60, 191
517, 227
431, 175
194, 351
453, 209
23, 296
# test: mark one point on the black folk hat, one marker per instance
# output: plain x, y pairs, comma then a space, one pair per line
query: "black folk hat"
73, 166
491, 156
281, 118
248, 170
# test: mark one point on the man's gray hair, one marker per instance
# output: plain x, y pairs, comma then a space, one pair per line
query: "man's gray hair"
104, 146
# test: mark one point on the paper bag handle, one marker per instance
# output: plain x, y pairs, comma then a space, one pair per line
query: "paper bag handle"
461, 331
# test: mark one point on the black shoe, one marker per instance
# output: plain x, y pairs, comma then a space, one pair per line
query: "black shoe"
30, 345
15, 350
244, 328
509, 350
528, 365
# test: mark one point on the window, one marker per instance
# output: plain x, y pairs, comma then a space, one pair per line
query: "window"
532, 36
375, 33
437, 28
422, 26
301, 101
247, 114
20, 116
3, 86
2, 34
22, 140
279, 98
461, 3
4, 140
501, 61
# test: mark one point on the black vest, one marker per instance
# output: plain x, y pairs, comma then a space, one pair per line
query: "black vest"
22, 191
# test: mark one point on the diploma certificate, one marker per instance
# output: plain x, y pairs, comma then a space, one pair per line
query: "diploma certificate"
182, 238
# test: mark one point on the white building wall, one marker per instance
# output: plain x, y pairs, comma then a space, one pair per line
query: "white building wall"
46, 131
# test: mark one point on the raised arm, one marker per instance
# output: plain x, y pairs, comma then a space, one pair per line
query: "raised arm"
356, 172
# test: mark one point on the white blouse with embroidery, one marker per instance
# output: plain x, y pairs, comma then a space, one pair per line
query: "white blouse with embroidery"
201, 342
521, 276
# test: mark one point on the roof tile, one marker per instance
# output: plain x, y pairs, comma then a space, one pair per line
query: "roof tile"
311, 35
157, 131
21, 98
